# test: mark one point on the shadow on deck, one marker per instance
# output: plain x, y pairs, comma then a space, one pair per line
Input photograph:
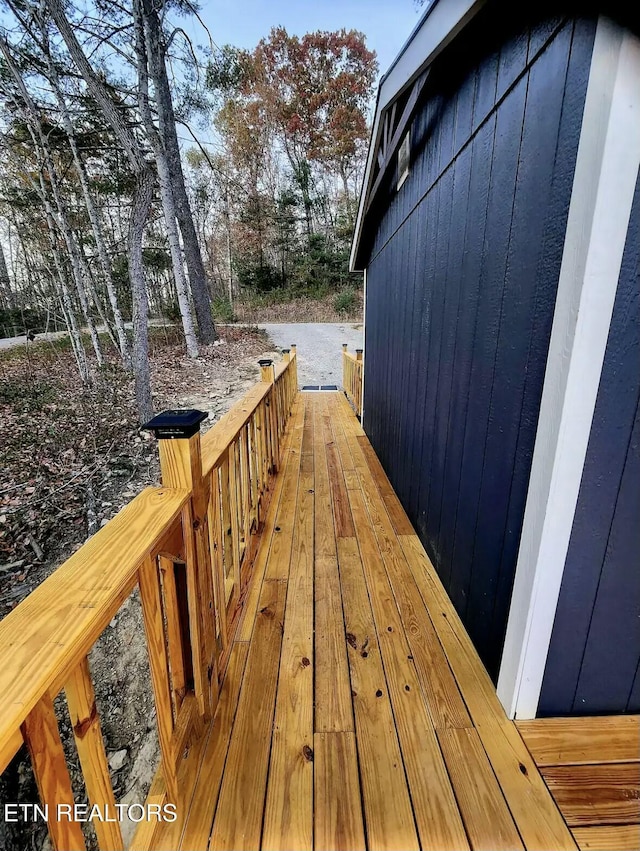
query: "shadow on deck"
355, 712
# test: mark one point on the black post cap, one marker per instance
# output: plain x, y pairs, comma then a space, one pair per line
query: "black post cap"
171, 425
286, 351
265, 362
359, 351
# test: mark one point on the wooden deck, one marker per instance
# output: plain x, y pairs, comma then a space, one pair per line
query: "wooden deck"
592, 768
355, 712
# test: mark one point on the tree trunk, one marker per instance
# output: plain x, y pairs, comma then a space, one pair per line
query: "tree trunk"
169, 137
92, 212
142, 198
166, 193
6, 296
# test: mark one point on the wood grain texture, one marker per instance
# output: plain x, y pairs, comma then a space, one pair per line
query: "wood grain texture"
198, 826
294, 442
534, 811
337, 804
387, 806
484, 811
615, 837
40, 732
238, 820
12, 744
85, 722
48, 634
288, 815
596, 794
229, 426
159, 665
562, 741
434, 805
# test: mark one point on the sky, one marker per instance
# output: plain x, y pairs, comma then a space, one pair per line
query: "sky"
386, 23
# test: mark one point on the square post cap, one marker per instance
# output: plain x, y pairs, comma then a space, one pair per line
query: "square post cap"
286, 351
265, 362
172, 425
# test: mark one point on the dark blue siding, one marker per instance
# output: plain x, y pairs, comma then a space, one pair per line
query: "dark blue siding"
595, 645
461, 287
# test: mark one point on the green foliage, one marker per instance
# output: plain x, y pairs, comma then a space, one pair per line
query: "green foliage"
345, 300
222, 310
14, 321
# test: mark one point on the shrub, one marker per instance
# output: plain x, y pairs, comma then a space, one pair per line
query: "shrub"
223, 310
345, 300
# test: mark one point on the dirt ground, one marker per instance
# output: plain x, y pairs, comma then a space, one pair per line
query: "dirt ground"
69, 460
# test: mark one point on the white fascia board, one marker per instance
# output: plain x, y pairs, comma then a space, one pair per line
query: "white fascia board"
441, 24
604, 183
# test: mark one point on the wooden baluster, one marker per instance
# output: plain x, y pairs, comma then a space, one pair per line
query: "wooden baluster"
40, 732
294, 355
175, 632
81, 700
245, 471
149, 582
254, 474
268, 374
216, 535
227, 530
237, 547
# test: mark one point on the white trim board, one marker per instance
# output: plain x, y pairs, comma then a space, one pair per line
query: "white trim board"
604, 182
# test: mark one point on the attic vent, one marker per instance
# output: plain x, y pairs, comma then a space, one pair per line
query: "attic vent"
404, 156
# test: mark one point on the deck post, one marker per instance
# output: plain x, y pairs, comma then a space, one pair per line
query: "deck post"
358, 354
178, 434
294, 357
286, 355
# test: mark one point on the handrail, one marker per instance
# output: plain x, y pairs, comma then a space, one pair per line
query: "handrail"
189, 547
352, 377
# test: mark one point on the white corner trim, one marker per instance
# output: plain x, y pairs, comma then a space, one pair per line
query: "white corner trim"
364, 337
604, 182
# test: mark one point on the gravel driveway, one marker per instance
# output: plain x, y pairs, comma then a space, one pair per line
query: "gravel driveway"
319, 346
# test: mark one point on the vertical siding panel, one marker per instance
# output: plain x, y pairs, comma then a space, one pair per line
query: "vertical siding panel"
611, 652
548, 269
505, 159
424, 285
530, 209
470, 293
452, 283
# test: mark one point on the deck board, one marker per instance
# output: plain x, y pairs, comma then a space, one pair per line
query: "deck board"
355, 712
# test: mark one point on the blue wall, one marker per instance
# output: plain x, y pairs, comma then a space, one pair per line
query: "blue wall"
461, 283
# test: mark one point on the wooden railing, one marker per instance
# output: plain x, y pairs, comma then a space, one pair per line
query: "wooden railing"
188, 546
352, 371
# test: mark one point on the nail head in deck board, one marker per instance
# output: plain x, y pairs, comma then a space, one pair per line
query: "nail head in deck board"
596, 794
40, 732
337, 803
238, 820
484, 811
534, 811
614, 837
387, 806
434, 805
561, 741
203, 806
